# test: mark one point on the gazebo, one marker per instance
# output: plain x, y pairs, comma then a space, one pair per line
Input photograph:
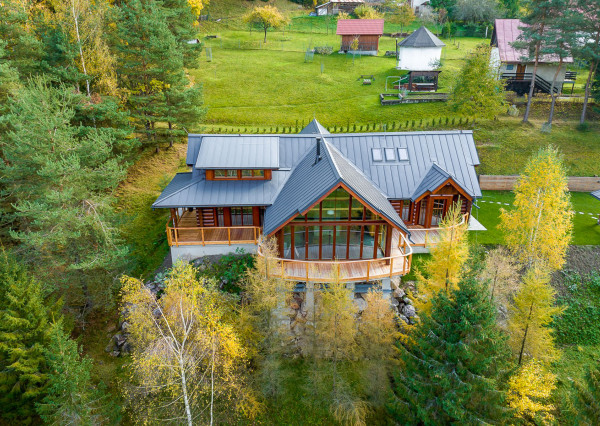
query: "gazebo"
420, 51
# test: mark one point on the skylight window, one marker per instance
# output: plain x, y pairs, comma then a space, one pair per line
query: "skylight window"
390, 155
377, 154
403, 154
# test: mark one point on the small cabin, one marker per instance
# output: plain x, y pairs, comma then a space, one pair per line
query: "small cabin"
420, 51
334, 7
365, 31
516, 68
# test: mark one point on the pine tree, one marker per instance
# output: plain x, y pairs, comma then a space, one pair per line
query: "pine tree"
24, 335
534, 36
71, 397
181, 19
587, 398
9, 81
538, 229
588, 23
154, 81
57, 179
530, 316
452, 367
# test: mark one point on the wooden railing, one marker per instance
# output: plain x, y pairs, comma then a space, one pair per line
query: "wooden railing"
425, 237
193, 236
347, 270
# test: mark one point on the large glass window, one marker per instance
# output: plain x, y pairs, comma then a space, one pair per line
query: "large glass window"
287, 241
313, 242
406, 210
327, 242
220, 217
299, 242
368, 242
341, 239
241, 216
354, 247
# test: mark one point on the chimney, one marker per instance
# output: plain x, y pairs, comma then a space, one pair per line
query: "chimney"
318, 151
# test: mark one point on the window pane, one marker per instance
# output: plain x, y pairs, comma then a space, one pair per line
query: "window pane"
313, 214
357, 210
313, 242
405, 210
342, 204
381, 241
220, 217
299, 218
402, 154
389, 154
220, 173
231, 173
247, 216
246, 173
355, 242
377, 154
236, 216
341, 238
369, 242
369, 215
299, 242
287, 242
327, 244
259, 173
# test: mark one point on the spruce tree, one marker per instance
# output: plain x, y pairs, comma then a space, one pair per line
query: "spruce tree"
453, 362
57, 181
150, 68
24, 333
71, 397
587, 398
588, 24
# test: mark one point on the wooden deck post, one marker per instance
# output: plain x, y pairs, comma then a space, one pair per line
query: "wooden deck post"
306, 264
202, 232
229, 235
368, 268
391, 266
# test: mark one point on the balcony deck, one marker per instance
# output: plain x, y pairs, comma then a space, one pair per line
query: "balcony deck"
423, 237
188, 233
348, 270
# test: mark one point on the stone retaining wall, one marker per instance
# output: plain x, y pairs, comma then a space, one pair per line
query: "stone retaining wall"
507, 183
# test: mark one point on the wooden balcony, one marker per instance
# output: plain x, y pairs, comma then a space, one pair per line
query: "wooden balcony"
348, 270
427, 237
187, 233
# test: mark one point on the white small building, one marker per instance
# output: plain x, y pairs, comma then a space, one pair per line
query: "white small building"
420, 51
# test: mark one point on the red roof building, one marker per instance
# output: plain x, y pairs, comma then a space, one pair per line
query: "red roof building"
366, 31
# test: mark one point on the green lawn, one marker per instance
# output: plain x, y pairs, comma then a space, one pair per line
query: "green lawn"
585, 229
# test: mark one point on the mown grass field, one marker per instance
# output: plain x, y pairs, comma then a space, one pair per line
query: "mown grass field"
586, 231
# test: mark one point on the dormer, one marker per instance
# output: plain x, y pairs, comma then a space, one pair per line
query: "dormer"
238, 157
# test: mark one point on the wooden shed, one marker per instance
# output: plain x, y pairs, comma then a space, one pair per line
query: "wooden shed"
366, 31
334, 7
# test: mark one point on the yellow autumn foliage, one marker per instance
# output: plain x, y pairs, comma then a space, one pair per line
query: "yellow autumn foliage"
538, 229
529, 392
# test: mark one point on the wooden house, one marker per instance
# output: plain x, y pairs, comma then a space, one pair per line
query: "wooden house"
333, 7
358, 202
365, 31
516, 67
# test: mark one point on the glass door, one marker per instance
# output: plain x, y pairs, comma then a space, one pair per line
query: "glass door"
438, 209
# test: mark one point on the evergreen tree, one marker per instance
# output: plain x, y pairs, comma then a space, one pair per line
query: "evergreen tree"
510, 8
71, 397
150, 67
453, 364
24, 333
182, 22
534, 35
588, 24
57, 181
587, 398
9, 80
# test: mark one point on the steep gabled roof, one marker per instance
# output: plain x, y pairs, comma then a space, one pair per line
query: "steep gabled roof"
311, 180
434, 177
596, 194
360, 27
506, 32
314, 128
421, 38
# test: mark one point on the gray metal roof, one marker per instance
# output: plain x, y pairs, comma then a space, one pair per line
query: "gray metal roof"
433, 179
596, 194
312, 179
314, 127
421, 38
249, 152
454, 152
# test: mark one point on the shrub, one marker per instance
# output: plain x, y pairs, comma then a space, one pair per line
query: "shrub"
323, 50
230, 270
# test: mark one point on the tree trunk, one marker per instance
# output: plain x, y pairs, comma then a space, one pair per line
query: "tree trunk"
554, 97
186, 401
588, 86
525, 334
532, 86
83, 67
265, 35
170, 135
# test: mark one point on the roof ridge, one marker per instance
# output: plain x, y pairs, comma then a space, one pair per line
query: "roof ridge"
328, 146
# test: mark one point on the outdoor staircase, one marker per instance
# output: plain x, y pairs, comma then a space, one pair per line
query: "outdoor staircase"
520, 83
208, 217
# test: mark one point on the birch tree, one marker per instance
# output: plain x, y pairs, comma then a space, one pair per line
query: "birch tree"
186, 352
538, 229
530, 316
